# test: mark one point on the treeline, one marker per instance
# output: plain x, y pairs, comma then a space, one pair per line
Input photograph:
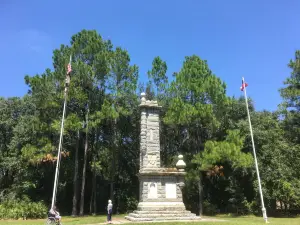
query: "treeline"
101, 137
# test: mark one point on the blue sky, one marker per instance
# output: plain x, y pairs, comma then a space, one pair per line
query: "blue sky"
255, 39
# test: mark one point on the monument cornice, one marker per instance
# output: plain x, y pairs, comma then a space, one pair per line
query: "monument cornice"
160, 173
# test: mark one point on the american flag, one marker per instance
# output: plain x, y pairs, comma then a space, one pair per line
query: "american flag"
69, 66
244, 84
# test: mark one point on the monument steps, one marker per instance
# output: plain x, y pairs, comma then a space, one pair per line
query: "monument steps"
162, 214
162, 208
186, 218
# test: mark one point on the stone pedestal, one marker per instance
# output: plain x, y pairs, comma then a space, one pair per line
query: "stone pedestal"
160, 188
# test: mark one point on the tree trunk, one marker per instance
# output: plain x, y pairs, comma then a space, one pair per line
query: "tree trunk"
81, 213
200, 188
200, 195
95, 175
115, 149
95, 195
75, 180
111, 193
92, 200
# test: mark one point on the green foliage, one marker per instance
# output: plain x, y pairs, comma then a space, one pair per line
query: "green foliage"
242, 208
278, 158
291, 92
158, 75
25, 209
224, 151
197, 95
209, 209
128, 203
290, 108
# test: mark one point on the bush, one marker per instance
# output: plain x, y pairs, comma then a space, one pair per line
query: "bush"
243, 208
131, 204
126, 204
209, 209
16, 209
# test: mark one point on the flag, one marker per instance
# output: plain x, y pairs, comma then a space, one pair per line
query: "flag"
244, 84
69, 66
69, 70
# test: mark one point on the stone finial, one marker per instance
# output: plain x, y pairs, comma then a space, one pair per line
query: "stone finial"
143, 97
180, 165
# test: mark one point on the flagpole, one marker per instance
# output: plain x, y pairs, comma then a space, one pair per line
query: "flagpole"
264, 212
60, 138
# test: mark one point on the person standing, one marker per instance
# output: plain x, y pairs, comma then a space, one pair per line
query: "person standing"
109, 211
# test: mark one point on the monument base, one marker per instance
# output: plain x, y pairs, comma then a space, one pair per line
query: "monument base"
159, 211
161, 196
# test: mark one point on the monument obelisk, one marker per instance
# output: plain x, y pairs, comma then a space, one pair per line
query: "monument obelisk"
160, 194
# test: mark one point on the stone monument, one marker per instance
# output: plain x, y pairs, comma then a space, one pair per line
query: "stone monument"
160, 188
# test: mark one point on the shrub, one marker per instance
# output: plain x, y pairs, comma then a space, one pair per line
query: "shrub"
131, 203
22, 208
209, 209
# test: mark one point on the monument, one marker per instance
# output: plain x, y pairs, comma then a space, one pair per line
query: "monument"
160, 195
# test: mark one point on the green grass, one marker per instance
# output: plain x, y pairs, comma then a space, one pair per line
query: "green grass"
249, 220
252, 220
65, 220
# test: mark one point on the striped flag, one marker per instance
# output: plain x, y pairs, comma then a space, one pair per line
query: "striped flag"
69, 66
244, 84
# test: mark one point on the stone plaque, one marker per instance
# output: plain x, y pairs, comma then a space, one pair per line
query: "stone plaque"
151, 135
171, 190
152, 190
152, 160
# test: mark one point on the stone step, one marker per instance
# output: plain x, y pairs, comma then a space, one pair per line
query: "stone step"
161, 215
160, 208
187, 218
159, 212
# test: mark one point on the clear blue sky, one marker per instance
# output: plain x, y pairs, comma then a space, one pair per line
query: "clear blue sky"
254, 38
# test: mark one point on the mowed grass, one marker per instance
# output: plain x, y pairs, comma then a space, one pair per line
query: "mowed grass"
250, 220
65, 220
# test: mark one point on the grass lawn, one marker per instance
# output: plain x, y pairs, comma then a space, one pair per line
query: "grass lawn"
65, 220
251, 220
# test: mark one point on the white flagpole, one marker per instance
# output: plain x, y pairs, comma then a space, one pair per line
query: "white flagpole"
264, 212
60, 143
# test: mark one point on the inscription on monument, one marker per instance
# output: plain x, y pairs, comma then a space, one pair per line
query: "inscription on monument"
171, 190
152, 190
152, 160
151, 135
